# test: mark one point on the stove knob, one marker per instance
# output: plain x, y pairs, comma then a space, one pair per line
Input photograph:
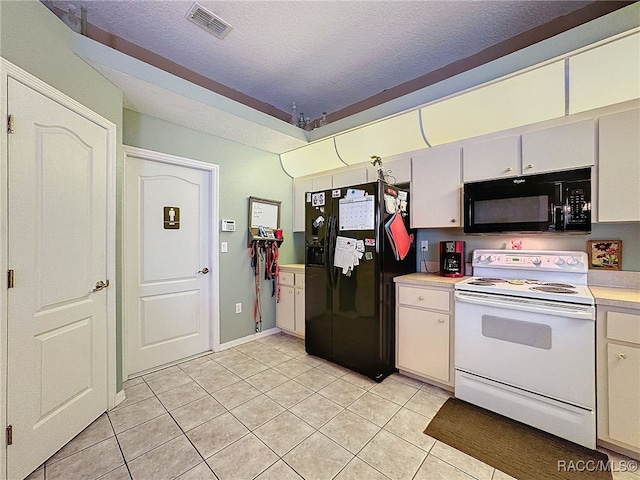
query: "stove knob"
491, 258
536, 260
573, 261
558, 261
482, 258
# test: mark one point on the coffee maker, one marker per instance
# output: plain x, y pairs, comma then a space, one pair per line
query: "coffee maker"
452, 259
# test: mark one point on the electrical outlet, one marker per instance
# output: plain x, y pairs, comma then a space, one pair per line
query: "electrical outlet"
424, 246
238, 308
223, 247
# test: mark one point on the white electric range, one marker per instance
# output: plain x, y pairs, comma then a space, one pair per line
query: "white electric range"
525, 340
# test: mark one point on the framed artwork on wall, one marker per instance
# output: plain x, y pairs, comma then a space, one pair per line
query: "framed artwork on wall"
605, 254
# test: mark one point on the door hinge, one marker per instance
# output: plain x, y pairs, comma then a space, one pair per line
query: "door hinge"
11, 279
10, 124
9, 434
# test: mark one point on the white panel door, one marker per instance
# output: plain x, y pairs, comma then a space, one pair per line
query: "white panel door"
57, 326
168, 279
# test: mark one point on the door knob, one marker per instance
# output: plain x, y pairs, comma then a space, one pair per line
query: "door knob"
205, 270
100, 285
622, 356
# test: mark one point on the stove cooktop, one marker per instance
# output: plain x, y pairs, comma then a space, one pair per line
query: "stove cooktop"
539, 274
529, 288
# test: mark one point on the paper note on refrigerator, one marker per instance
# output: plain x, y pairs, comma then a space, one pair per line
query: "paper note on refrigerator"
345, 256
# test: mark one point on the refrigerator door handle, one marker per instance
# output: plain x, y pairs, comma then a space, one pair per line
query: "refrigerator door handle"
335, 272
328, 248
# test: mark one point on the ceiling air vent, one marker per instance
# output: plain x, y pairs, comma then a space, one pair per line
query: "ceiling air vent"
207, 20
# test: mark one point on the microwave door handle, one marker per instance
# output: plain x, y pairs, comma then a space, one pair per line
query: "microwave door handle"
554, 217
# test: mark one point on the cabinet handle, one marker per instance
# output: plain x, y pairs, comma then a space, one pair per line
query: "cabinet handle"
420, 297
622, 356
530, 165
441, 320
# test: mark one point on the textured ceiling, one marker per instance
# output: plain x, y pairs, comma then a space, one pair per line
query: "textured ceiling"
323, 55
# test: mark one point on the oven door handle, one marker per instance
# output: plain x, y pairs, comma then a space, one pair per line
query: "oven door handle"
584, 312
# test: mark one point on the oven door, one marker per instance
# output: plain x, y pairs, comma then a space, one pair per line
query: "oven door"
543, 347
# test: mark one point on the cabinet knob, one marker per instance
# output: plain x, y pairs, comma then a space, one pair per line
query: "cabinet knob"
508, 169
420, 297
290, 291
622, 356
441, 320
453, 220
298, 292
530, 165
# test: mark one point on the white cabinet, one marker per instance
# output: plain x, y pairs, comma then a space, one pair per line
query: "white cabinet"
424, 332
398, 170
619, 167
618, 367
350, 177
435, 188
290, 307
571, 145
491, 159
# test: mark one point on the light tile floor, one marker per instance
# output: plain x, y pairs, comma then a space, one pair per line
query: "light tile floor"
267, 410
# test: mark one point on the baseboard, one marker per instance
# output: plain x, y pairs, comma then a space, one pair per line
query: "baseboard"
120, 397
248, 338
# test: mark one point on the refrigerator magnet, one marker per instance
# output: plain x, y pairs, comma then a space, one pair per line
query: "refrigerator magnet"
370, 242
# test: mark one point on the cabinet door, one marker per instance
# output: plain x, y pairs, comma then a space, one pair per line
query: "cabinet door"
619, 167
623, 364
423, 343
492, 159
285, 309
435, 188
299, 311
300, 188
559, 148
324, 182
349, 177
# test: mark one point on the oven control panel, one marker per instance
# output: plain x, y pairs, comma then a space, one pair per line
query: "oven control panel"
531, 259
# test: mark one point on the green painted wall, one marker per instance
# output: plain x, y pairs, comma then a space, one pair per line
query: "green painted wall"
244, 172
35, 40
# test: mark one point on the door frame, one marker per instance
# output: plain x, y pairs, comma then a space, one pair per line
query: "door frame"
214, 292
9, 70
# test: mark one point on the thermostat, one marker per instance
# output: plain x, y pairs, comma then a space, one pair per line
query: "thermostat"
228, 225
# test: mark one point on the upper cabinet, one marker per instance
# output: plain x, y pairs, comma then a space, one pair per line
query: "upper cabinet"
435, 188
491, 159
388, 137
562, 147
397, 170
350, 177
528, 97
605, 75
619, 167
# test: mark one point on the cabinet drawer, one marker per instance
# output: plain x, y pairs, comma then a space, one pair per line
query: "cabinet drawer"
623, 326
299, 279
422, 297
286, 278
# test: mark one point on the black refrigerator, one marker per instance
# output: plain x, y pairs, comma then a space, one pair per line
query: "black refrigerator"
357, 240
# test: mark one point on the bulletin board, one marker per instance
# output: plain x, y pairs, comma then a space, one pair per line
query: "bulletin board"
263, 213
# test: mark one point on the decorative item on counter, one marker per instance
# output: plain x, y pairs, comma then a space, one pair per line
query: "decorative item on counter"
516, 244
605, 254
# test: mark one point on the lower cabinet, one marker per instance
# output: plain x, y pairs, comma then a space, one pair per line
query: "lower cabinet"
618, 367
424, 333
290, 306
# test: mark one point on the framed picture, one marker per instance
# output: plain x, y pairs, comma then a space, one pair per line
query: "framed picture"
605, 254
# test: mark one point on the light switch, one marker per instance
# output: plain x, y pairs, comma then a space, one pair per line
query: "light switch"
223, 247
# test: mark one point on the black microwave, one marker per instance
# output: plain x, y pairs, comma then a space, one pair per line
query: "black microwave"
547, 202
